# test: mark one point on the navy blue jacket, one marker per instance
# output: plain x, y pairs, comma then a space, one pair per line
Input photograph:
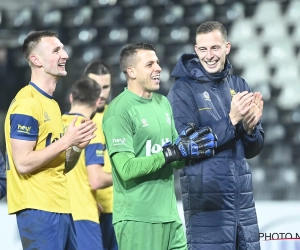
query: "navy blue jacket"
217, 192
2, 177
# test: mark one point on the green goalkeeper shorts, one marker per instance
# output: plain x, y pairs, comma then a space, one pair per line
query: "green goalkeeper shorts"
149, 236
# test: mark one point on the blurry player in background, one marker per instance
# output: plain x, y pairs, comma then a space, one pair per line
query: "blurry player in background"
101, 73
144, 147
39, 153
88, 175
2, 177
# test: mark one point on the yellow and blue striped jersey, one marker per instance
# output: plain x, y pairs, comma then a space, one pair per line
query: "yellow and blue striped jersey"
83, 198
35, 116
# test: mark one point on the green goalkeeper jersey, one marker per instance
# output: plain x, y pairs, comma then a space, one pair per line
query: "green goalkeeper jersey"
141, 127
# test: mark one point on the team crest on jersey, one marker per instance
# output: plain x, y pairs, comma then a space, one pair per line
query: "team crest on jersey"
168, 118
206, 96
145, 123
232, 92
46, 117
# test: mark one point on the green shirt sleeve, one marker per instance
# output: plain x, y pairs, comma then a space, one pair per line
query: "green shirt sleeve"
130, 167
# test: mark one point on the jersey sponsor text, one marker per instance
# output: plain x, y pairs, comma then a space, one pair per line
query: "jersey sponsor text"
119, 141
155, 148
24, 129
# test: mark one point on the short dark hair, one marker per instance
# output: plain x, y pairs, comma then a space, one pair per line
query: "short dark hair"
127, 53
86, 91
210, 26
33, 39
97, 68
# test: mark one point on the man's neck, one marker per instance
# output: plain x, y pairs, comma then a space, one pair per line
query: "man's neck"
45, 84
83, 110
139, 91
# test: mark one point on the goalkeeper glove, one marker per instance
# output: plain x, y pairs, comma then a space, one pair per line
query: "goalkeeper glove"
191, 144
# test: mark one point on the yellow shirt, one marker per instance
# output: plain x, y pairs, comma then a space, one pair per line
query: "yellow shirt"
35, 116
83, 198
105, 195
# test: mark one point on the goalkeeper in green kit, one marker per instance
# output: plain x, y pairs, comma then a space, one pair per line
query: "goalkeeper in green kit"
144, 147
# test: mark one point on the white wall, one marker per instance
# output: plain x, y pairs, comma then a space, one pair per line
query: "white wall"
9, 235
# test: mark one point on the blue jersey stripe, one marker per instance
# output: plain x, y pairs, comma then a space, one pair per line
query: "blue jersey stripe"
94, 154
23, 127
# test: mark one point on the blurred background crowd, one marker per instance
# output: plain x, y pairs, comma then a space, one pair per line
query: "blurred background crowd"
265, 37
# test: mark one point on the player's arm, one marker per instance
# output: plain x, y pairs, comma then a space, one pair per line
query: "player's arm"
252, 143
185, 110
24, 132
72, 157
189, 144
27, 159
129, 167
94, 161
2, 177
97, 177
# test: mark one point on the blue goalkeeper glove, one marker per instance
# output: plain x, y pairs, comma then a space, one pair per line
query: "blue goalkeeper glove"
191, 144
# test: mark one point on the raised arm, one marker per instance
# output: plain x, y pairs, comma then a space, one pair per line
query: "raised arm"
27, 159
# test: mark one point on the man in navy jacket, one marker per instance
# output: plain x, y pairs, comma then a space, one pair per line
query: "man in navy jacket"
217, 192
2, 177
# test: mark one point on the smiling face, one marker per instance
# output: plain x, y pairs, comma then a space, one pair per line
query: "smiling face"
212, 49
50, 55
145, 71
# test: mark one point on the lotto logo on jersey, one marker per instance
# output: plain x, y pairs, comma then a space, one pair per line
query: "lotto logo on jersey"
155, 148
119, 141
24, 129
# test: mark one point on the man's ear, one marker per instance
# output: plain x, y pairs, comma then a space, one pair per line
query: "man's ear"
35, 60
228, 47
195, 48
71, 98
131, 72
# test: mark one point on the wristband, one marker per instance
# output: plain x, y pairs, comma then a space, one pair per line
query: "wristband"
77, 149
